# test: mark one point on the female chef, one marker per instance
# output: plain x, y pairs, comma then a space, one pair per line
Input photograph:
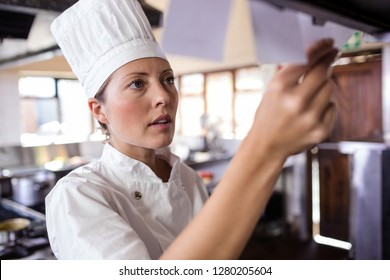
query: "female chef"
139, 201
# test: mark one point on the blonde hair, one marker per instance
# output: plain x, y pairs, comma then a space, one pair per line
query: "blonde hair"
100, 96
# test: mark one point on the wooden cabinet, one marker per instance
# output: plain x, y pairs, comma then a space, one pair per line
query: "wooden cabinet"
359, 101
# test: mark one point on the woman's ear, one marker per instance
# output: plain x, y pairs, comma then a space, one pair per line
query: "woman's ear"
98, 111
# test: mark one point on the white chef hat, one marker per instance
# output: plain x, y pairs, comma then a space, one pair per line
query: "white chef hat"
99, 36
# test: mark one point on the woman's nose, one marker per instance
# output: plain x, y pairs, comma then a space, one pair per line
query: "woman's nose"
161, 96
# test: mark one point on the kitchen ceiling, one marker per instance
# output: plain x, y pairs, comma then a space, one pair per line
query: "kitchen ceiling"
372, 16
25, 26
57, 5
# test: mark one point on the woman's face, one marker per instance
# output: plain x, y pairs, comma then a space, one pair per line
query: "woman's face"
140, 105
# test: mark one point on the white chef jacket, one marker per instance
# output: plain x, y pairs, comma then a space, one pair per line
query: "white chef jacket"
117, 208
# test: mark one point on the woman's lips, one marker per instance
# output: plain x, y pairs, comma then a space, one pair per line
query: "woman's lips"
163, 121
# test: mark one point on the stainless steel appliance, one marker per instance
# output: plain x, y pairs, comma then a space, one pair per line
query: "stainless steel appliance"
31, 189
33, 243
370, 197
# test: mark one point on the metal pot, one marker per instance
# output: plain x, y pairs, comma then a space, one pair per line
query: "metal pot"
13, 230
31, 190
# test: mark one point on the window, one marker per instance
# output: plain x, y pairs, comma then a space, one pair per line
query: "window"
219, 100
248, 95
226, 100
52, 111
75, 117
191, 104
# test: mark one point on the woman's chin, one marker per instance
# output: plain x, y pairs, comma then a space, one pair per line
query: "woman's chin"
163, 144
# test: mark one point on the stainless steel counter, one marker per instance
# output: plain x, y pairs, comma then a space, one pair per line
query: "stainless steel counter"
369, 217
33, 246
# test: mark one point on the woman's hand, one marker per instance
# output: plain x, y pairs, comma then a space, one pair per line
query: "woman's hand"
296, 112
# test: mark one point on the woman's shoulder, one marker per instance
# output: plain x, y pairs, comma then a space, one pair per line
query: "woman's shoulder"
86, 179
90, 173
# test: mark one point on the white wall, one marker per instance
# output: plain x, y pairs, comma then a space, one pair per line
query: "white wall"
9, 110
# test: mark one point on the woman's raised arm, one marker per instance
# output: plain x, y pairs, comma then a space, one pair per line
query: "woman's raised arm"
296, 113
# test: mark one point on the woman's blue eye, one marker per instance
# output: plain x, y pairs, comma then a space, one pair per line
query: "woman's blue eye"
137, 84
170, 80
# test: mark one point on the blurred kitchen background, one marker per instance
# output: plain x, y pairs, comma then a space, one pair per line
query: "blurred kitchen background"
332, 202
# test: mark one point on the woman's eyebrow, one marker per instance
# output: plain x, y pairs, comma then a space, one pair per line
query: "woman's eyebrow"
145, 73
167, 70
136, 73
124, 77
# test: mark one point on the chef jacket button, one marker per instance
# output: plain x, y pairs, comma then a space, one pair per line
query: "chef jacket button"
137, 195
183, 187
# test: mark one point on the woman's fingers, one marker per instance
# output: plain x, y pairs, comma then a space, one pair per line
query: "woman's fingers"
322, 99
298, 103
326, 123
318, 73
318, 50
291, 74
315, 78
